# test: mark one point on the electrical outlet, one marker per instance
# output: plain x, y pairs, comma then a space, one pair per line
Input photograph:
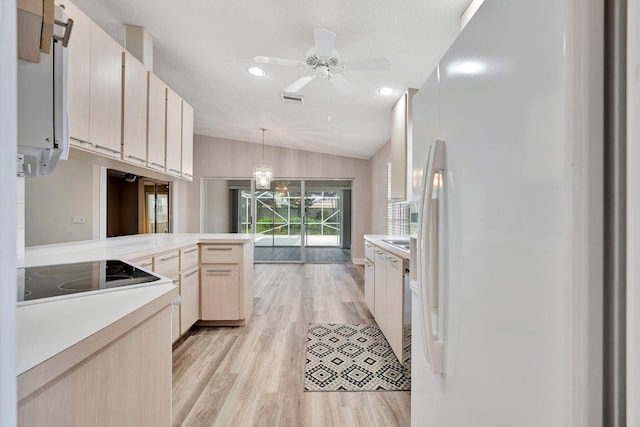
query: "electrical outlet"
77, 219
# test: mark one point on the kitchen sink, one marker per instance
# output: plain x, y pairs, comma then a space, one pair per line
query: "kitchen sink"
399, 243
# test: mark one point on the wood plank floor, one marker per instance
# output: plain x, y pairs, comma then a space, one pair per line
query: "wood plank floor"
253, 375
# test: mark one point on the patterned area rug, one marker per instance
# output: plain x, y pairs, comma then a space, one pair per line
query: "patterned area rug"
352, 358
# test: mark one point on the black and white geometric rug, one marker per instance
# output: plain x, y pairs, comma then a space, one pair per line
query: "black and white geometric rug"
351, 358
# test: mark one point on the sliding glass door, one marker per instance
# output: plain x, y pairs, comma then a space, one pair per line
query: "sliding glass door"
294, 220
279, 222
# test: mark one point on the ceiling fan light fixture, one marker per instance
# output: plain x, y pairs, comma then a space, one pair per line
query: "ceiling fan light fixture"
258, 72
385, 91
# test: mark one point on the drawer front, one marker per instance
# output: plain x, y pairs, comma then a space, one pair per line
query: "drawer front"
221, 254
167, 264
146, 263
369, 251
189, 257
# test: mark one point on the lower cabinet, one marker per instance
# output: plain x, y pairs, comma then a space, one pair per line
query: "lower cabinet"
221, 292
226, 284
190, 298
369, 286
395, 294
380, 281
124, 383
384, 290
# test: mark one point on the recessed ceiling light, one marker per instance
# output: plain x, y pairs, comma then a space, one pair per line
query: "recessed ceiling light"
258, 72
386, 91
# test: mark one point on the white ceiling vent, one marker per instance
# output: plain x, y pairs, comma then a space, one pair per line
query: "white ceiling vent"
292, 98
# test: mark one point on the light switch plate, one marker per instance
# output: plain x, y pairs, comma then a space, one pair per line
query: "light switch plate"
77, 219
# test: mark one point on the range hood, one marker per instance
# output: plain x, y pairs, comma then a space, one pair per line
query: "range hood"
43, 120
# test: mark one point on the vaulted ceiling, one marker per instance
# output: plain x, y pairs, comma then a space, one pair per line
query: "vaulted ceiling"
203, 48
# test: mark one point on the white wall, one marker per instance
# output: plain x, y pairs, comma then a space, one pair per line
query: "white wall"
378, 164
52, 201
221, 158
8, 223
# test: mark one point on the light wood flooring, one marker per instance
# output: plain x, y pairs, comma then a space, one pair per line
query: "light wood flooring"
253, 375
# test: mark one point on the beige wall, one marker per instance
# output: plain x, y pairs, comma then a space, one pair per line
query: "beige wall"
216, 211
221, 158
51, 202
379, 185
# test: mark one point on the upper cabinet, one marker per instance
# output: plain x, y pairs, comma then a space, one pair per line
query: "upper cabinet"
94, 87
174, 133
79, 54
157, 100
119, 109
35, 20
401, 147
105, 111
187, 140
134, 110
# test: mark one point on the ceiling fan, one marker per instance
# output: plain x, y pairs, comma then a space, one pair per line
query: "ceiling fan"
325, 61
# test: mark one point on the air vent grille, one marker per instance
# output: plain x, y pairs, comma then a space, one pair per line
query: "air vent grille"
292, 98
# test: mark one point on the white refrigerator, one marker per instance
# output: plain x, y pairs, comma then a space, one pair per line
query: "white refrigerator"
507, 173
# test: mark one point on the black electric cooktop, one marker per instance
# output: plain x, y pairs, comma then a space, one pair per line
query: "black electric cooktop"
59, 280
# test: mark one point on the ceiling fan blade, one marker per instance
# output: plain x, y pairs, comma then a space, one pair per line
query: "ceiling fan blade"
368, 64
342, 83
300, 83
324, 40
278, 61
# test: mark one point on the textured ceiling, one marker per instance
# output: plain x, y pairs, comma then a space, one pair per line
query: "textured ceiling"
202, 49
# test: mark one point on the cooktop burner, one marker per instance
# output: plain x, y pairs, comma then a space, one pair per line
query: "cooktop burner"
49, 281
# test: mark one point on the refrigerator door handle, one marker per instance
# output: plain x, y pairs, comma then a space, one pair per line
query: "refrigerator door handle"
427, 274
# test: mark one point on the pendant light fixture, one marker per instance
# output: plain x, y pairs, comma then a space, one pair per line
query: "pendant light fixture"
263, 174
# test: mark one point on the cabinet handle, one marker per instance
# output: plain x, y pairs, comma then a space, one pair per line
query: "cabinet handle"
83, 142
177, 301
174, 170
191, 273
191, 250
157, 165
146, 265
169, 257
380, 252
176, 282
136, 158
219, 249
107, 149
368, 245
218, 271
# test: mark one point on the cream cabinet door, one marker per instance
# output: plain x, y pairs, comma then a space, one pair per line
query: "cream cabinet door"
369, 286
175, 314
187, 140
174, 133
79, 76
190, 295
220, 292
380, 286
395, 294
156, 105
134, 110
105, 112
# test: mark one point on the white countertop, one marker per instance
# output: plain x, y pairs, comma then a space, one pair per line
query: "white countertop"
378, 240
120, 247
48, 328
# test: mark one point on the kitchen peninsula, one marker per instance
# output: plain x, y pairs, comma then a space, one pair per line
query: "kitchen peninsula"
104, 352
